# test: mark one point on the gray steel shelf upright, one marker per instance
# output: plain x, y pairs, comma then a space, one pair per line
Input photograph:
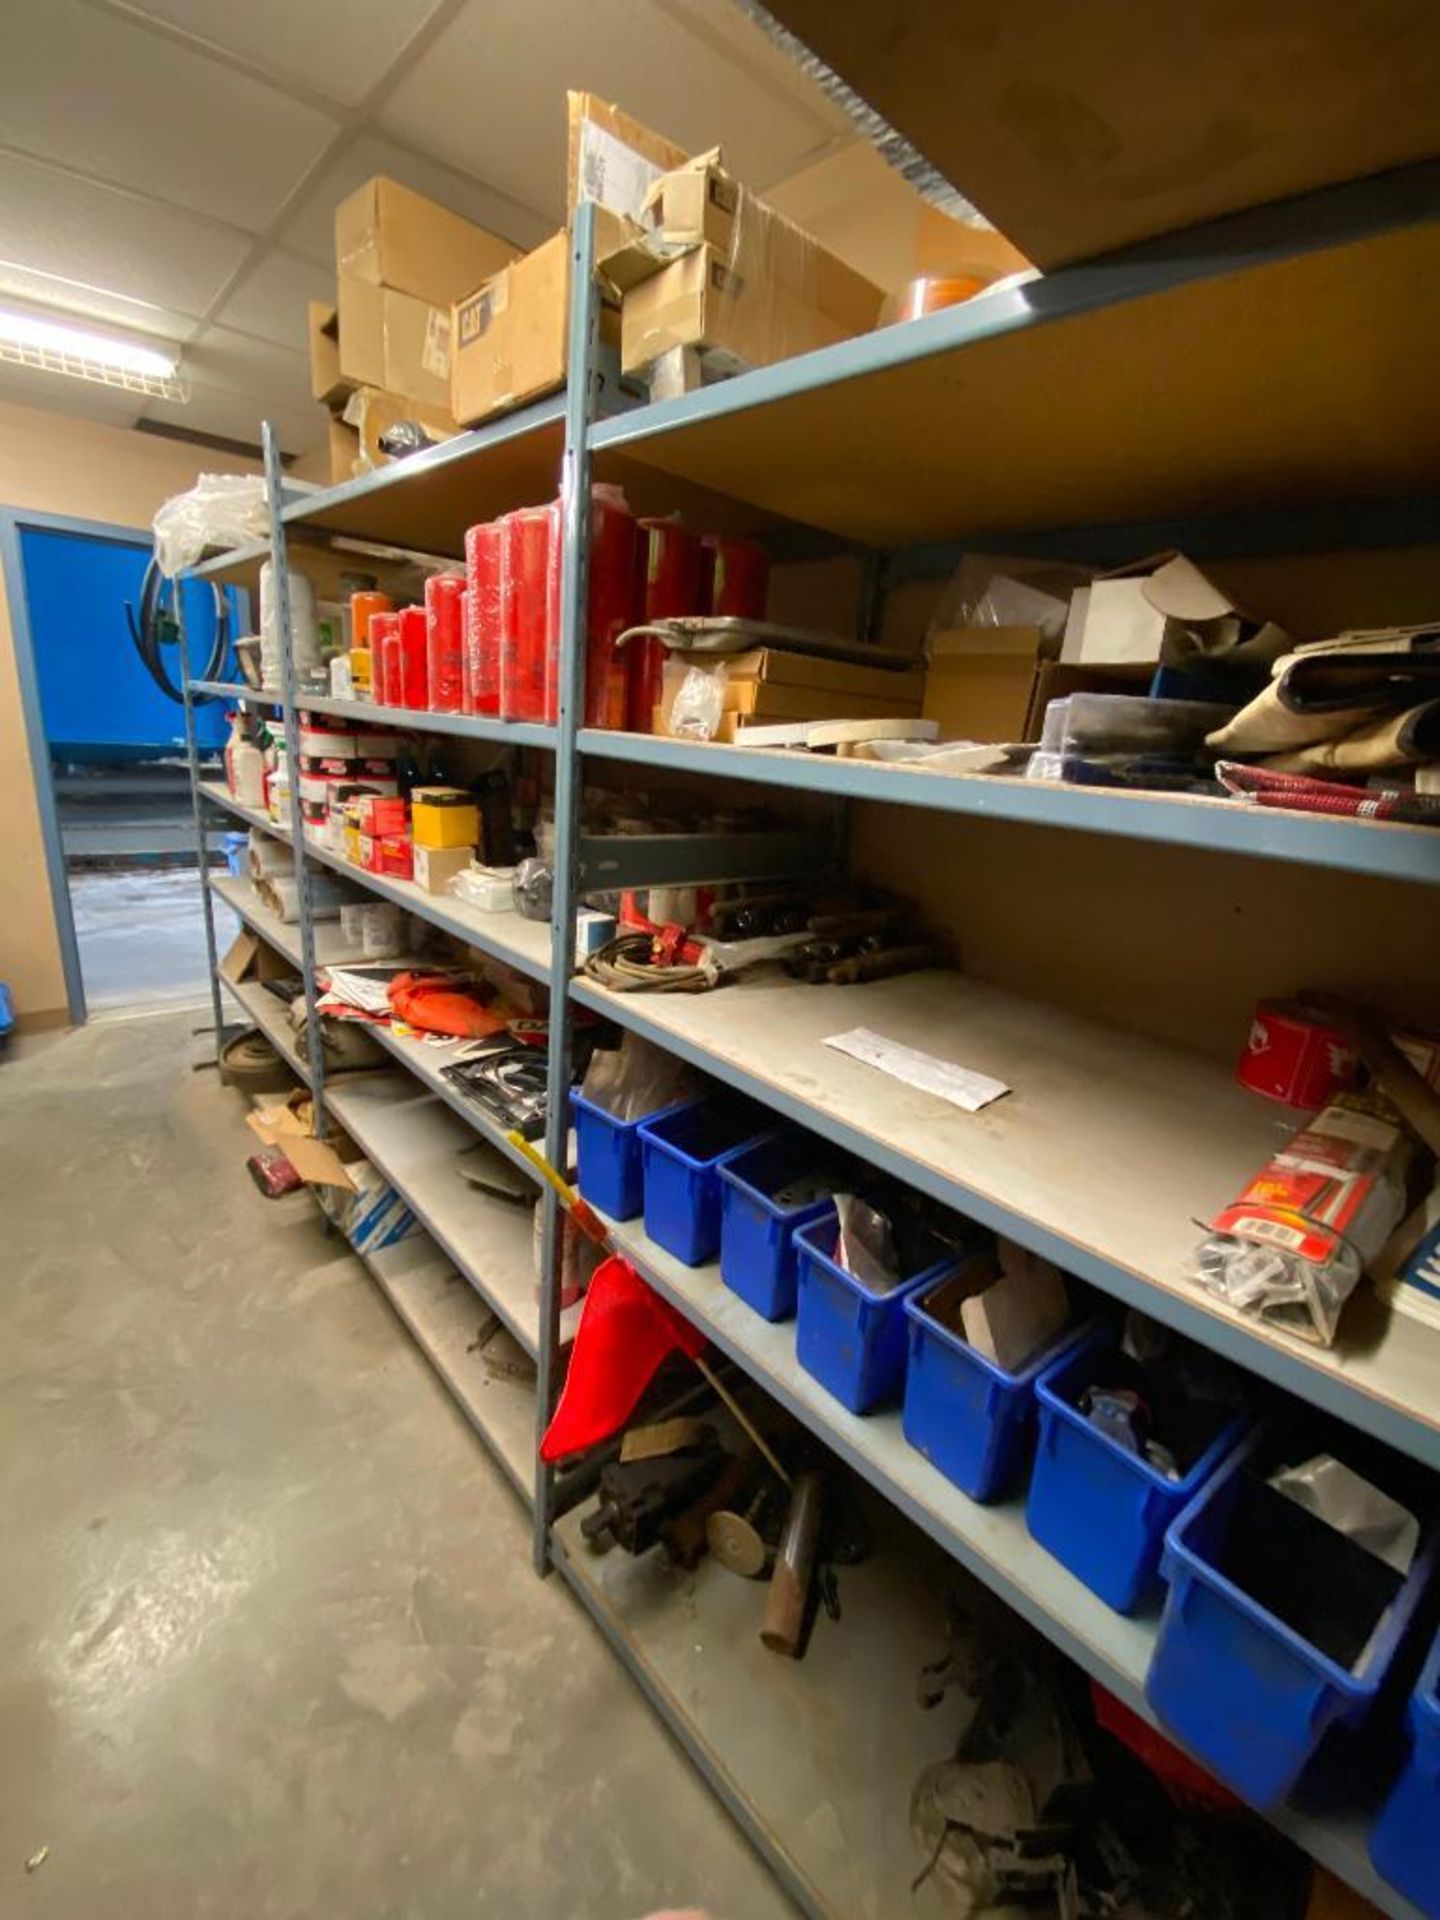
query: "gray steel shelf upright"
758, 435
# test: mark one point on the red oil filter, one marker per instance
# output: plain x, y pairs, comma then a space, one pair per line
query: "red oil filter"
740, 581
1295, 1058
445, 642
529, 613
481, 667
385, 658
414, 659
614, 579
674, 586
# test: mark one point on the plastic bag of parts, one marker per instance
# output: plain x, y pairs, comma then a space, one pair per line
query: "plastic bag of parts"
220, 510
405, 436
491, 889
533, 889
698, 705
1337, 1495
988, 591
635, 1079
1292, 1248
865, 1244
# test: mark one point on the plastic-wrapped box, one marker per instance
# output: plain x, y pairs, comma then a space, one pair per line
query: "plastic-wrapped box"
481, 665
445, 642
675, 585
613, 591
529, 613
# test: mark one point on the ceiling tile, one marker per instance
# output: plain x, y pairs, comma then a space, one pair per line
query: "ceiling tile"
106, 96
58, 393
337, 48
25, 288
310, 229
276, 376
236, 416
503, 119
98, 238
270, 302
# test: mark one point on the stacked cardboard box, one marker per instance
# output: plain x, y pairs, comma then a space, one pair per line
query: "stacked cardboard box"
693, 267
767, 685
382, 353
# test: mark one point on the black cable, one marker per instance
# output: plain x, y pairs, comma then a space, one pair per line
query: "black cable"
156, 627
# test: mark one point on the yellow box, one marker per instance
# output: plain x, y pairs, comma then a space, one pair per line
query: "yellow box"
443, 817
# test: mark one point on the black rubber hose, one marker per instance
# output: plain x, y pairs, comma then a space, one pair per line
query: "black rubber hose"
155, 628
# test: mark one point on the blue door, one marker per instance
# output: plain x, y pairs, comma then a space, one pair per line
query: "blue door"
99, 703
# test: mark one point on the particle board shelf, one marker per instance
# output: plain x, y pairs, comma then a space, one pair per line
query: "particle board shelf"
991, 1542
522, 944
1379, 848
443, 1315
267, 1013
416, 1141
331, 946
427, 500
1149, 388
426, 1059
220, 796
463, 726
1103, 1157
815, 1757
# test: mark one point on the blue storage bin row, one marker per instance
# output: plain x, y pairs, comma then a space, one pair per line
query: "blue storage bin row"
1244, 1691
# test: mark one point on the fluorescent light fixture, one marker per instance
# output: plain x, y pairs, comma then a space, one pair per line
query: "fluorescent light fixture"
30, 340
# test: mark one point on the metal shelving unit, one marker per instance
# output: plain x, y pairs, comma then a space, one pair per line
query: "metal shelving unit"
855, 444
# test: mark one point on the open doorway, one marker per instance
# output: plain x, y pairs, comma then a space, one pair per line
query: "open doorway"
107, 744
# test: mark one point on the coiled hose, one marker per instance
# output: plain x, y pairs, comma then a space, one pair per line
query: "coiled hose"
156, 627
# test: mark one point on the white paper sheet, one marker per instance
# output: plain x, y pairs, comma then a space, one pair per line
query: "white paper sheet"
959, 1085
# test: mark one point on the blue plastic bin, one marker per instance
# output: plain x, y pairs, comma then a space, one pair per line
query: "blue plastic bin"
681, 1152
1402, 1840
1101, 1510
851, 1339
235, 845
757, 1237
1248, 1695
610, 1170
970, 1418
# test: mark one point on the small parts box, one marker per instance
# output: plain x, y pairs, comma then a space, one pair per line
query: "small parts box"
850, 1338
443, 817
1402, 1840
382, 814
970, 1418
1278, 1626
1100, 1509
783, 1182
682, 1151
436, 867
610, 1158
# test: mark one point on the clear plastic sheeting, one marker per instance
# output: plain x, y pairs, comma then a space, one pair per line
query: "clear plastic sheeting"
865, 1244
221, 510
636, 1079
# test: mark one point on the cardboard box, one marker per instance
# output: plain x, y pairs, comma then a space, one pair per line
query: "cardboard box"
1164, 606
394, 341
249, 958
436, 867
344, 451
372, 413
388, 236
994, 683
733, 315
443, 817
511, 336
613, 159
774, 666
327, 382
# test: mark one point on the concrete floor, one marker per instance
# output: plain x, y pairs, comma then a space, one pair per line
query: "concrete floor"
142, 937
269, 1642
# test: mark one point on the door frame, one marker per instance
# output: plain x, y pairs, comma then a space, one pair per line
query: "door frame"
14, 521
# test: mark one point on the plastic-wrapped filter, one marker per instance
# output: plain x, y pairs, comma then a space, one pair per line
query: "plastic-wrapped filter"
385, 673
675, 585
414, 659
481, 692
739, 578
613, 591
445, 642
534, 889
529, 613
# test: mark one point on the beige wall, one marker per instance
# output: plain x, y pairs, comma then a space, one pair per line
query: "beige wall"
50, 463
